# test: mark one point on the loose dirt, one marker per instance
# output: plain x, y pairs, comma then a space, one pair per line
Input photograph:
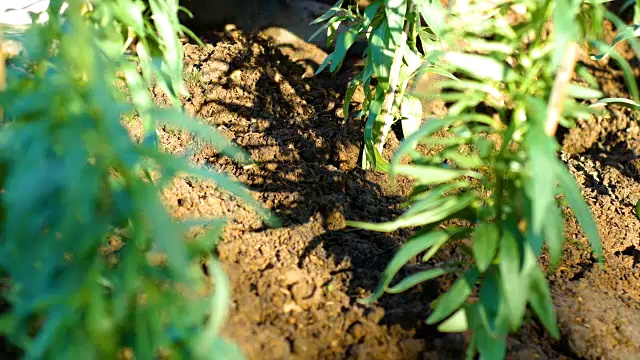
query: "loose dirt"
294, 287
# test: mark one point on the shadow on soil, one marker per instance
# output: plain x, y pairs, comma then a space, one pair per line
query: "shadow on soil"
291, 128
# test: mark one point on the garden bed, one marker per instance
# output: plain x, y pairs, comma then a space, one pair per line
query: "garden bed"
294, 288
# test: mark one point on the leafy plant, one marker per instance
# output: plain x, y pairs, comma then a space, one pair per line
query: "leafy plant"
494, 185
399, 50
625, 33
95, 267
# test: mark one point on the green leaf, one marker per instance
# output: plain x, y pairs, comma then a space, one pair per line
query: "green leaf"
480, 67
333, 20
580, 92
417, 278
491, 306
410, 250
466, 87
222, 180
179, 119
514, 283
412, 59
449, 206
438, 71
372, 127
431, 175
628, 74
580, 208
343, 43
395, 11
618, 101
455, 323
219, 309
381, 51
334, 9
565, 28
541, 301
434, 15
629, 32
430, 127
325, 63
431, 198
411, 112
351, 90
485, 244
490, 346
455, 297
540, 150
462, 161
554, 233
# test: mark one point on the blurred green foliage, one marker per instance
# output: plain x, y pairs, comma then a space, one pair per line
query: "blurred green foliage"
93, 264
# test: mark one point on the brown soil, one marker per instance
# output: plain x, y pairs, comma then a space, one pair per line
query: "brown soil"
294, 287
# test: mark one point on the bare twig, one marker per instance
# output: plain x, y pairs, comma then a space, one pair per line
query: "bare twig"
560, 84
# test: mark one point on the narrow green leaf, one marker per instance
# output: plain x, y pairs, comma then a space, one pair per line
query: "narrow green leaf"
449, 206
408, 251
381, 51
334, 9
580, 92
565, 28
430, 175
434, 249
180, 119
439, 71
417, 278
333, 20
455, 297
490, 346
456, 323
540, 150
514, 284
580, 208
491, 306
485, 244
541, 301
343, 43
432, 198
618, 101
430, 127
220, 302
434, 15
625, 34
351, 90
395, 11
325, 63
480, 66
411, 112
554, 233
372, 127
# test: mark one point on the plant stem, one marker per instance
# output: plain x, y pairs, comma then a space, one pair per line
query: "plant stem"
394, 75
560, 84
